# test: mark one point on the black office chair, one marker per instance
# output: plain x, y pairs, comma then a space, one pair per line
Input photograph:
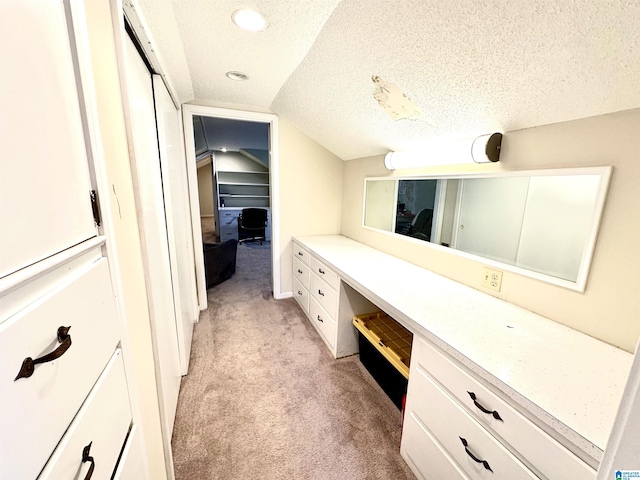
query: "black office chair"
421, 225
252, 225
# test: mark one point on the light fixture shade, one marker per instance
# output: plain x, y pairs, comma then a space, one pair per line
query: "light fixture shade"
249, 19
483, 149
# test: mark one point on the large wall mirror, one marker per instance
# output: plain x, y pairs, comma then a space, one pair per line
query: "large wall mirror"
541, 223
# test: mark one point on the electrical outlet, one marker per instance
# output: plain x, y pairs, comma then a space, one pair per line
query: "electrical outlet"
491, 279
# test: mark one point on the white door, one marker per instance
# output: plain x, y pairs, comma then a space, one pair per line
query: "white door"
153, 230
178, 213
45, 189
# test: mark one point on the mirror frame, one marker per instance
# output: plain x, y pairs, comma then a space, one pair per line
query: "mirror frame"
587, 255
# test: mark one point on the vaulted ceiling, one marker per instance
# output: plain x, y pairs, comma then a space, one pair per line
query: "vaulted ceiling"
472, 66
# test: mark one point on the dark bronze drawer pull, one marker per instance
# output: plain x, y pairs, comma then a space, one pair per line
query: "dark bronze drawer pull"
320, 292
87, 458
495, 414
321, 271
29, 364
301, 254
473, 457
319, 319
299, 271
299, 292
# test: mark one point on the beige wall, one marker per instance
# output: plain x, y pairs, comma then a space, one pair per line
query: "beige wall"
205, 190
310, 193
609, 308
137, 345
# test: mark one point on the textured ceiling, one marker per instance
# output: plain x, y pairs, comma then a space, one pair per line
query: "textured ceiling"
235, 135
472, 66
214, 45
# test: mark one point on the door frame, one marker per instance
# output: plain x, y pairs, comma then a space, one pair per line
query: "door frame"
188, 111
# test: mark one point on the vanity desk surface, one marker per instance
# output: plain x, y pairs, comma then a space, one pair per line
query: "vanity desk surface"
567, 382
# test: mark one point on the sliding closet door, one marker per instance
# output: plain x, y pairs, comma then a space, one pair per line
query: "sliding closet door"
176, 198
153, 230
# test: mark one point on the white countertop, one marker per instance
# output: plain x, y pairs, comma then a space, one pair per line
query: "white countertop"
570, 382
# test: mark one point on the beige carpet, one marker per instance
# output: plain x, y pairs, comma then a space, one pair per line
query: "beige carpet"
264, 398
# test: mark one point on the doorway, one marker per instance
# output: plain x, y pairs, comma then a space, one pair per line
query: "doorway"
239, 152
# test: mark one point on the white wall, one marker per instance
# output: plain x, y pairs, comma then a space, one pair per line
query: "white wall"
608, 309
139, 351
310, 193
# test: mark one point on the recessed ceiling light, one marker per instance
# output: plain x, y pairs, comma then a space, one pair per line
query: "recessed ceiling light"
248, 19
238, 76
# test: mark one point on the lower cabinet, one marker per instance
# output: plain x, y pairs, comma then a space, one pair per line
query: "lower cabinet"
64, 399
96, 436
316, 290
453, 423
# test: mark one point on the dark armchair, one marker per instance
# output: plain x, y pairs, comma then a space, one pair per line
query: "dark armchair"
219, 261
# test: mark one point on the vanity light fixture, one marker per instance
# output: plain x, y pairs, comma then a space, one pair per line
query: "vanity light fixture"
249, 19
483, 149
224, 149
237, 76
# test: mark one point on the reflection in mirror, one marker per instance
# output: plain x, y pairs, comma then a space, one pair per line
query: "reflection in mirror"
543, 222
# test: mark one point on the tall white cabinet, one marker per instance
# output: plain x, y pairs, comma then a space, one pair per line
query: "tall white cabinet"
65, 406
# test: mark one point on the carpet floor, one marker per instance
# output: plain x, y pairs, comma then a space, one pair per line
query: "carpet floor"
264, 398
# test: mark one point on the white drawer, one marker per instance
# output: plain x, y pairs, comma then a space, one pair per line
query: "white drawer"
103, 423
301, 295
227, 214
451, 425
323, 321
301, 254
324, 272
301, 272
131, 464
543, 452
324, 294
426, 457
228, 232
41, 406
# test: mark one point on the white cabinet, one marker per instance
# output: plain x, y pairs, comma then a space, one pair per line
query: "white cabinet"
95, 437
316, 290
43, 404
62, 379
452, 405
489, 382
45, 202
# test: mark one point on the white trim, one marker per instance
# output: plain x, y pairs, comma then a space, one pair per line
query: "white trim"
620, 452
580, 284
274, 175
147, 43
10, 282
98, 161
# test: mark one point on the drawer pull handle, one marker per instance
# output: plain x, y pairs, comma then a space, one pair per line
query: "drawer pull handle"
495, 414
473, 457
29, 364
300, 271
320, 292
301, 254
319, 319
87, 458
321, 271
299, 292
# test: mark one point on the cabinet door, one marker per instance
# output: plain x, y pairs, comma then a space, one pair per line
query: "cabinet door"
44, 178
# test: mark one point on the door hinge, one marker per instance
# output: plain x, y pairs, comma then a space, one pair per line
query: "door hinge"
95, 207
